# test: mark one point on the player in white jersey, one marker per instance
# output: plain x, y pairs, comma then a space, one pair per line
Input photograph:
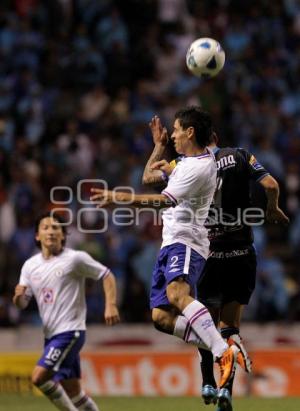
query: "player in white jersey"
55, 277
189, 192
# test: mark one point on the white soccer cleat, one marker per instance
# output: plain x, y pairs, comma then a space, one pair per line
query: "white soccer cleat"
243, 358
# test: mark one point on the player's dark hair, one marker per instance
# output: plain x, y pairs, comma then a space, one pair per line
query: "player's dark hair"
199, 119
57, 218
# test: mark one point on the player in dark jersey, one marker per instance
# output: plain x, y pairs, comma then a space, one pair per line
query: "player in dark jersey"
229, 276
230, 271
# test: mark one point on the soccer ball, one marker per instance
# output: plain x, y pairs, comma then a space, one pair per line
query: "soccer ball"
205, 57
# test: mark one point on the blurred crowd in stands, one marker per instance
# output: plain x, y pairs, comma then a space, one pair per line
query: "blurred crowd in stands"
79, 83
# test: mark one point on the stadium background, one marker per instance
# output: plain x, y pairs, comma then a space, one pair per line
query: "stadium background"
79, 82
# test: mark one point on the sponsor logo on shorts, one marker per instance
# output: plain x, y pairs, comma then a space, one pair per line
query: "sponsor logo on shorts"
228, 254
174, 270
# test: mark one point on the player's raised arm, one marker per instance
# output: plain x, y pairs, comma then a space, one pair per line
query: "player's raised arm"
102, 198
111, 312
274, 214
153, 176
20, 298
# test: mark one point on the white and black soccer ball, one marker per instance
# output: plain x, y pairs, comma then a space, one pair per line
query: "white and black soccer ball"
205, 57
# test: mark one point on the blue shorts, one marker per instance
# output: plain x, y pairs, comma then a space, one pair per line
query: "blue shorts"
175, 260
61, 354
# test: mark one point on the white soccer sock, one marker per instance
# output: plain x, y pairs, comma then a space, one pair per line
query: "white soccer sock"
201, 322
84, 402
184, 331
57, 395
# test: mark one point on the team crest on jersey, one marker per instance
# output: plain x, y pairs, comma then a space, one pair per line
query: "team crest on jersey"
47, 294
254, 163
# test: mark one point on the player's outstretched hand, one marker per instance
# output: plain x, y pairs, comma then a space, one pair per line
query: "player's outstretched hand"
277, 216
162, 165
111, 314
159, 133
101, 197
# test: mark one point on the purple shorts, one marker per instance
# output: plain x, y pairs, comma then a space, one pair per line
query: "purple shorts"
175, 260
61, 354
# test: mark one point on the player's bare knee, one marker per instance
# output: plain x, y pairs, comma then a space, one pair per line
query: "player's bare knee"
39, 376
159, 316
38, 379
162, 321
173, 297
176, 291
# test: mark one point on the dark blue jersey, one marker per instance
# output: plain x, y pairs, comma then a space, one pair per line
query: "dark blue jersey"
230, 220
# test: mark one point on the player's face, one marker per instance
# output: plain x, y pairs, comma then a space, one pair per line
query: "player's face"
179, 137
50, 234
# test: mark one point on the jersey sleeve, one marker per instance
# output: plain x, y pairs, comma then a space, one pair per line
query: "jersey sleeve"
25, 280
89, 268
184, 182
255, 169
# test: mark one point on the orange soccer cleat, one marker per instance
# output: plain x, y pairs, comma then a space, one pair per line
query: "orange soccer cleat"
227, 364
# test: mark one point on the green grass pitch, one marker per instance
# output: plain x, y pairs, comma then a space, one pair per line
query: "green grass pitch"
11, 402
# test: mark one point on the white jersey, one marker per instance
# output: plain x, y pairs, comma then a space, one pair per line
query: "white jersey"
58, 285
191, 188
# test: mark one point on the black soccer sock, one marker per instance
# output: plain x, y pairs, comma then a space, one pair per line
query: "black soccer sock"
229, 385
207, 368
229, 331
